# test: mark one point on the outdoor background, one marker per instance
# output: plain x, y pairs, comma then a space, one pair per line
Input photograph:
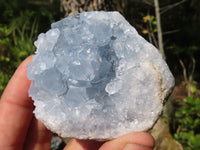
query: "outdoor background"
171, 25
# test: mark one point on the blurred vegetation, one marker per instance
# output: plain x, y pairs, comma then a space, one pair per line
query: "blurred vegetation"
22, 20
186, 122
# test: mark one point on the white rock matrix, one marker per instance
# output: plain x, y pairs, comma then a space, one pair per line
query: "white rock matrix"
94, 77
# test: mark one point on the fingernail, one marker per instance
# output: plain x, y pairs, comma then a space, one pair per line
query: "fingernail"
135, 147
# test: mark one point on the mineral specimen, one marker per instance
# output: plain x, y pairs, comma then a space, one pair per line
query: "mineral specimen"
94, 77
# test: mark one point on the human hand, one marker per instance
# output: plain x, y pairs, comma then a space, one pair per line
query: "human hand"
19, 129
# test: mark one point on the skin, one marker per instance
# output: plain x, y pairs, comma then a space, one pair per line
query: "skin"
19, 129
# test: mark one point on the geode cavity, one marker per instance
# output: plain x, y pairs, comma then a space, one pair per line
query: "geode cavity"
94, 77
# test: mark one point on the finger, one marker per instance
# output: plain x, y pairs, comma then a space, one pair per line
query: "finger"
137, 139
136, 147
132, 141
76, 144
15, 109
39, 137
16, 91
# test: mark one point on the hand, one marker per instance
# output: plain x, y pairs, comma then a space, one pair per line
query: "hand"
19, 129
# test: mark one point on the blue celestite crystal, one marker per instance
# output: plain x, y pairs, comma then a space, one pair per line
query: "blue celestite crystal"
94, 77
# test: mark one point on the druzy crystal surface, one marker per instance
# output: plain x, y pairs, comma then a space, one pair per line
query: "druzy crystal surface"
94, 77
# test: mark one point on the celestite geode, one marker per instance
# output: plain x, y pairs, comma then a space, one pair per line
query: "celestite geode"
94, 77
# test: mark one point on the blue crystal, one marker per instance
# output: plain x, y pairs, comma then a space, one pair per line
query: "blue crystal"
94, 77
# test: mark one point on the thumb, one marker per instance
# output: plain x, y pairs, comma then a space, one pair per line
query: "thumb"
132, 141
76, 144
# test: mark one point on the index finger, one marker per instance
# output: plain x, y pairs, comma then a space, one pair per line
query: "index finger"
16, 109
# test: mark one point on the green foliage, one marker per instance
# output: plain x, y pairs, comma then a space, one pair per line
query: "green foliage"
187, 120
186, 50
16, 43
150, 23
189, 140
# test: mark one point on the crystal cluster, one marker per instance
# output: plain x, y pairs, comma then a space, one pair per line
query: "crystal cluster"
94, 77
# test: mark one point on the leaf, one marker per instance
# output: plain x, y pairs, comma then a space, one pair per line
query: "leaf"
145, 31
194, 141
154, 22
146, 18
193, 88
152, 18
155, 30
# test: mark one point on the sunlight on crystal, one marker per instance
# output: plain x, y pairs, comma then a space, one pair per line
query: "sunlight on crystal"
94, 77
